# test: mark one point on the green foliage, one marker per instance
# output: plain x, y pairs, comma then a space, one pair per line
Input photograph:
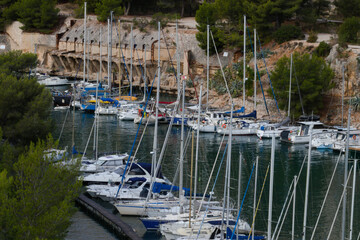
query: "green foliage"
141, 24
355, 102
15, 62
349, 31
38, 15
24, 109
104, 7
209, 15
323, 49
90, 7
312, 37
287, 33
348, 8
234, 78
37, 201
164, 19
314, 78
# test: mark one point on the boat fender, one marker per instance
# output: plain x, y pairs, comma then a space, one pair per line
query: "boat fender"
354, 137
223, 126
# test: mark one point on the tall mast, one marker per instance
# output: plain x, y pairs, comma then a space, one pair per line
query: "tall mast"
119, 78
291, 62
229, 165
207, 66
353, 201
294, 207
343, 223
255, 69
109, 59
342, 95
84, 69
181, 180
272, 160
110, 51
255, 192
197, 145
157, 108
244, 61
145, 78
131, 59
100, 43
177, 63
307, 186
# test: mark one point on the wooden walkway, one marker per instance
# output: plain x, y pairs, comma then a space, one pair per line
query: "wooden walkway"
122, 229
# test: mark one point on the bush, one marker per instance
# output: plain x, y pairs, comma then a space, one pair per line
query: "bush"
287, 33
312, 37
323, 49
349, 31
164, 19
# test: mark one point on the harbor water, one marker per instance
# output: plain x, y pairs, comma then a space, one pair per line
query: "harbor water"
118, 136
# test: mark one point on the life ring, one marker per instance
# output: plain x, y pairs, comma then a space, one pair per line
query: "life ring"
224, 125
354, 137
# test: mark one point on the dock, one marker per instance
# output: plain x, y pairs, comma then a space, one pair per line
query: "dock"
121, 229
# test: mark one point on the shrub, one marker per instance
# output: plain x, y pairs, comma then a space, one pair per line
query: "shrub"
349, 31
312, 37
323, 49
287, 33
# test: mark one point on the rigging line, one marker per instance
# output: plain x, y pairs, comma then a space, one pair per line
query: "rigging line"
92, 128
133, 145
122, 55
162, 151
171, 62
222, 70
272, 89
242, 202
212, 190
212, 171
323, 204
341, 199
141, 68
258, 73
62, 128
258, 203
297, 83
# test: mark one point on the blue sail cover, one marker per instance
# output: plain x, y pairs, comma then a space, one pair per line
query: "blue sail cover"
250, 115
241, 110
158, 187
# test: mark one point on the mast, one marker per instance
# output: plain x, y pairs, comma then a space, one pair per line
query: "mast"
110, 51
96, 127
342, 95
272, 160
145, 79
181, 180
307, 187
291, 61
197, 145
343, 223
353, 201
255, 69
177, 61
155, 146
255, 189
244, 62
84, 68
108, 65
294, 207
229, 165
131, 59
207, 66
100, 55
119, 78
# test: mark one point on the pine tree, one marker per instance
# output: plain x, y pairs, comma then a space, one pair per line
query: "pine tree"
104, 7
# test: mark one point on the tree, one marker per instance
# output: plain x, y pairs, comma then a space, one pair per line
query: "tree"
37, 15
104, 7
24, 109
208, 15
16, 62
349, 30
348, 8
313, 76
37, 201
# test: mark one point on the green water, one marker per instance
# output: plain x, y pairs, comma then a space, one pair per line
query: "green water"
118, 136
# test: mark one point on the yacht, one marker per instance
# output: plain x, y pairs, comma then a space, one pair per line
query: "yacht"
302, 135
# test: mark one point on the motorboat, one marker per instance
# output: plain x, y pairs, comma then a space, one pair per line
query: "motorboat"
302, 135
105, 163
54, 81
